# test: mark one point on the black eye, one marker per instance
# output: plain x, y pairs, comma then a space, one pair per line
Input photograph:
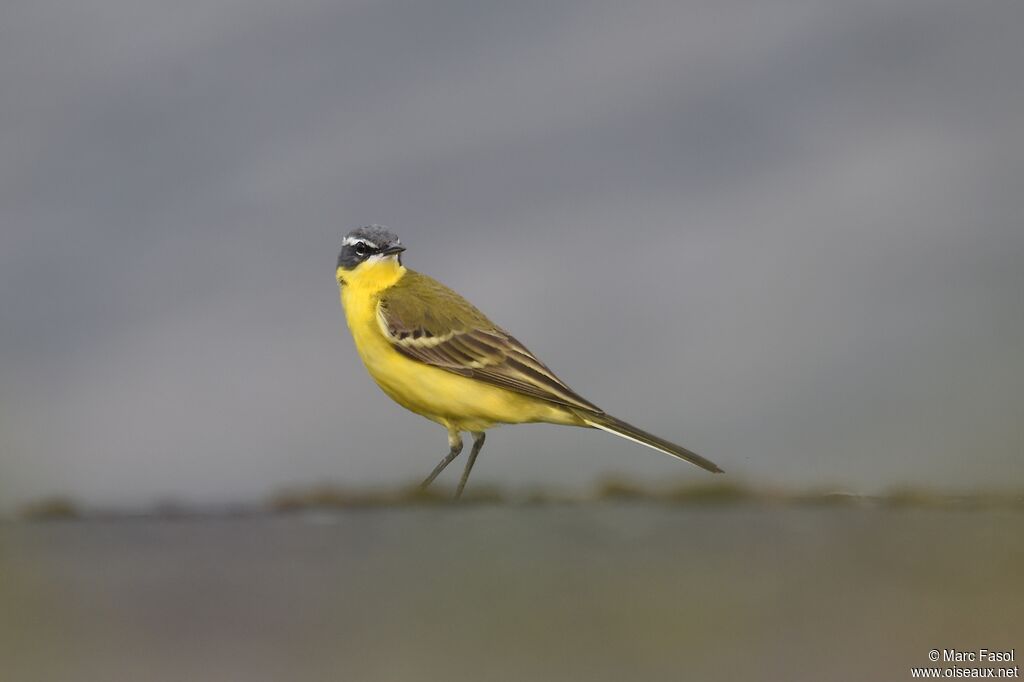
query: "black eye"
361, 249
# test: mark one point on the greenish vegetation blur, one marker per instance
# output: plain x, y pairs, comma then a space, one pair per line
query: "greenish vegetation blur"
610, 489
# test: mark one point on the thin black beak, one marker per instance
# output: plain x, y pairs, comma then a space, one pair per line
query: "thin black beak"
393, 249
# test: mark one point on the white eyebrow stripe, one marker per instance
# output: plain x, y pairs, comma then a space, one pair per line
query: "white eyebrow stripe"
352, 241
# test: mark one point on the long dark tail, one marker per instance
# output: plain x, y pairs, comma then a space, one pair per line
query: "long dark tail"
610, 424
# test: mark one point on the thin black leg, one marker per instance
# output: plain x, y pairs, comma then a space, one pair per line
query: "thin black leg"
456, 447
478, 444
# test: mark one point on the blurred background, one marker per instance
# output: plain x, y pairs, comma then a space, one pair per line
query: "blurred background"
786, 235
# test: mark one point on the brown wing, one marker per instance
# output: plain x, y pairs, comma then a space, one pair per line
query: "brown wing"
428, 322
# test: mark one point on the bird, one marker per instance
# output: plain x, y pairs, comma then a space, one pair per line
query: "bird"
435, 354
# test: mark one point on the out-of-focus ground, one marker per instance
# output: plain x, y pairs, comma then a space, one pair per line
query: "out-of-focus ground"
627, 590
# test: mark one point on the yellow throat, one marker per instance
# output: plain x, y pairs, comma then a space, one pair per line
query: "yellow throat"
369, 277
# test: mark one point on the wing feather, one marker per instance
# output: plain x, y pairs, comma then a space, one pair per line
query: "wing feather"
428, 322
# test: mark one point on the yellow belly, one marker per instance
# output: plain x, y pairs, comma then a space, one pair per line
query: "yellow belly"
452, 400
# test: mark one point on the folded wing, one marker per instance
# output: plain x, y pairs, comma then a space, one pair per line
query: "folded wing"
430, 323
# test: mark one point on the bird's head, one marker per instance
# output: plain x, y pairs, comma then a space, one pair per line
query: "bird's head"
369, 253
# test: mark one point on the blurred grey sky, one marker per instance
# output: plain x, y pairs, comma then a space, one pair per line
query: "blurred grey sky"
787, 235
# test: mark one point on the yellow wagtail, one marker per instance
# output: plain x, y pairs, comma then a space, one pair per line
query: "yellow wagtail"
433, 353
